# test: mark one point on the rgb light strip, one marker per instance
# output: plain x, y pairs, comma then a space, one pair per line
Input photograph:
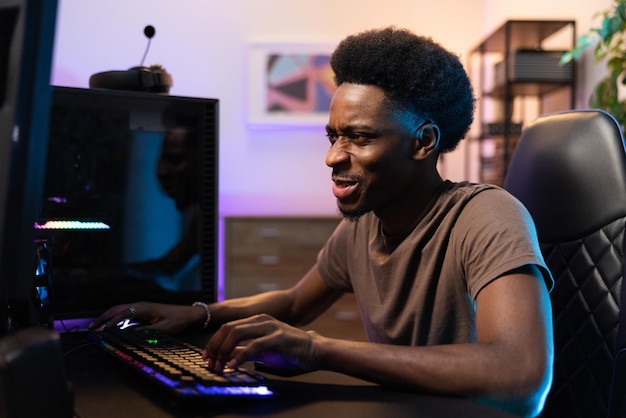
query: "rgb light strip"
71, 225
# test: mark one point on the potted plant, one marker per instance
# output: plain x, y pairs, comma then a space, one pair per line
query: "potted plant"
609, 42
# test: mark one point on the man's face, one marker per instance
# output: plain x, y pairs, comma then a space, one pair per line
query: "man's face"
371, 151
176, 170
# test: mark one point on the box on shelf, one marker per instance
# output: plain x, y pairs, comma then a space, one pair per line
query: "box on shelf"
534, 66
501, 128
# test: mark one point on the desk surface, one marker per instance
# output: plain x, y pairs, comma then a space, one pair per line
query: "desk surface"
104, 388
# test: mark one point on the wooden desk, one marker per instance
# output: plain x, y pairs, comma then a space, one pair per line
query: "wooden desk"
103, 388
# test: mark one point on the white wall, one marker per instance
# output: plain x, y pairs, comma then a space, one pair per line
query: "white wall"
204, 45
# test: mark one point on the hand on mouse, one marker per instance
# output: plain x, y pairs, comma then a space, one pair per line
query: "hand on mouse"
171, 319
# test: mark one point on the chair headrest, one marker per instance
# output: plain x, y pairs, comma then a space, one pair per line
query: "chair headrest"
569, 170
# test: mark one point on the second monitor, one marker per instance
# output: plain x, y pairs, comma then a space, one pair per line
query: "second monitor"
130, 201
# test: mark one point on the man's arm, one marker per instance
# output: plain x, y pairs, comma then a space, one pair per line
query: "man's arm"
297, 306
510, 365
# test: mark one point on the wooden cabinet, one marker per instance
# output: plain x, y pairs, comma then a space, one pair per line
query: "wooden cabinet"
265, 253
517, 76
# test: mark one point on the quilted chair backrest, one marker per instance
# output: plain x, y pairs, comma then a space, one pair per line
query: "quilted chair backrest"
569, 170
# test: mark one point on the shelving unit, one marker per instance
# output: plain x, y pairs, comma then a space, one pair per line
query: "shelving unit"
517, 77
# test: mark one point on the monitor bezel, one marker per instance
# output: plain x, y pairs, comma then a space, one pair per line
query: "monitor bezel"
207, 187
24, 117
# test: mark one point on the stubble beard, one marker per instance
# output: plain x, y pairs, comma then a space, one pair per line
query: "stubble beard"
352, 215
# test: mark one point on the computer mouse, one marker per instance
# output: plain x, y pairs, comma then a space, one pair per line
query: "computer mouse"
132, 323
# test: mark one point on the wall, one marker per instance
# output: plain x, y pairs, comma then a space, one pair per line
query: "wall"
205, 46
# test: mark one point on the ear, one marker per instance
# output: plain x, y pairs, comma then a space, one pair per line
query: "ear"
426, 140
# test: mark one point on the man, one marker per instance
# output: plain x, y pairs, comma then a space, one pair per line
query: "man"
450, 283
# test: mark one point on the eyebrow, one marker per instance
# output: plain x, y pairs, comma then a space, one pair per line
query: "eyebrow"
352, 128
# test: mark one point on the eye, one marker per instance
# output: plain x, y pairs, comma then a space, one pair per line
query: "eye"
359, 138
355, 136
332, 136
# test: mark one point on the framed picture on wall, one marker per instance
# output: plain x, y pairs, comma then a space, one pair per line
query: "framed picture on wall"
289, 84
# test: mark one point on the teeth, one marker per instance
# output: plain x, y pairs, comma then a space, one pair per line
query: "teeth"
344, 183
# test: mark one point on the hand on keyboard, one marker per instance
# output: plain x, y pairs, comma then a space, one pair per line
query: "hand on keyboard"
177, 366
268, 340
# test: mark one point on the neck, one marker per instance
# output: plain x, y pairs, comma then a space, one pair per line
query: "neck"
398, 217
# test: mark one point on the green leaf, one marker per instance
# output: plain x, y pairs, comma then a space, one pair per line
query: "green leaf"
587, 39
599, 52
610, 47
610, 27
615, 65
620, 10
582, 43
568, 56
604, 96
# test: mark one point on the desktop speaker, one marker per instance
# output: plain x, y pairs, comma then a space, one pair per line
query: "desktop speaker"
33, 382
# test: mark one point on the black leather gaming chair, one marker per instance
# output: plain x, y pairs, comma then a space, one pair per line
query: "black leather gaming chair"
569, 170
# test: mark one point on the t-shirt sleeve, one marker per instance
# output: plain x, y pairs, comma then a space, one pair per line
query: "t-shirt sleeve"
496, 234
332, 260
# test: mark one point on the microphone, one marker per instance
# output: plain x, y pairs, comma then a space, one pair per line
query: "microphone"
149, 31
152, 79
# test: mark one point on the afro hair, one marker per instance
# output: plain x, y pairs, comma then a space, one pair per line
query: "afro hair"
416, 73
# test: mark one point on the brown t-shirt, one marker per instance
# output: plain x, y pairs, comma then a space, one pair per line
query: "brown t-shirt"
419, 288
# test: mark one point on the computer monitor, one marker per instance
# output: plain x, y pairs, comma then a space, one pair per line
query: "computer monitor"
27, 29
129, 206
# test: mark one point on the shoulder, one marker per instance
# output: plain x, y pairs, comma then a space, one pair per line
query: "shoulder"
486, 200
498, 234
477, 192
469, 203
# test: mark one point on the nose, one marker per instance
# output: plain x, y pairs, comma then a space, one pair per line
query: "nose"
336, 154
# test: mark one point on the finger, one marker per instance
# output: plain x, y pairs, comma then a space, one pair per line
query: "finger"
124, 312
284, 348
213, 346
267, 348
219, 350
106, 317
237, 357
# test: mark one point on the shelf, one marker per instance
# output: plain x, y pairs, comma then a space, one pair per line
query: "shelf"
527, 88
523, 34
518, 67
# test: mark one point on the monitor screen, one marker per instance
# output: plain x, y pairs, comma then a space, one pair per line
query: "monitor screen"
129, 208
27, 29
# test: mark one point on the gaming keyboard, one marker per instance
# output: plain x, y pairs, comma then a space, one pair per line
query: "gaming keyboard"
176, 366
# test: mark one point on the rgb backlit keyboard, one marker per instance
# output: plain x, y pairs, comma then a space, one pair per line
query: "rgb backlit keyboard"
177, 366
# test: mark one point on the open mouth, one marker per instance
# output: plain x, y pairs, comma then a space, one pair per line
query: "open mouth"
342, 188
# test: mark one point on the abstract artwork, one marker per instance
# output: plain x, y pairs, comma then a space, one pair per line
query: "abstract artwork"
290, 85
